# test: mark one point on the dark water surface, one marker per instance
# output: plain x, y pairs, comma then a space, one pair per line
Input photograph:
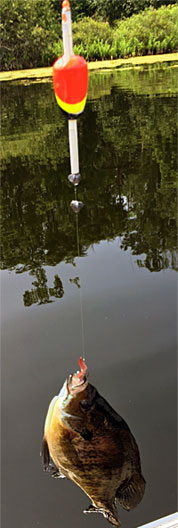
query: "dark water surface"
125, 277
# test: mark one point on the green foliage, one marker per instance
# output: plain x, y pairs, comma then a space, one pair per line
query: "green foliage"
154, 31
82, 8
115, 10
92, 39
31, 31
88, 30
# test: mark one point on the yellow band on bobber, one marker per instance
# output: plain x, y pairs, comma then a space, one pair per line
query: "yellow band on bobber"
75, 109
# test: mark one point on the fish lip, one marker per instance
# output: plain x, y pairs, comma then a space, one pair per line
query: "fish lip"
73, 387
77, 381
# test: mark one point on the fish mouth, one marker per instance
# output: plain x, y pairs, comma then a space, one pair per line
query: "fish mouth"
77, 382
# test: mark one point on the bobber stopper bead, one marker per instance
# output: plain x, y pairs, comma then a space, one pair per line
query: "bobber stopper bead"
74, 178
76, 206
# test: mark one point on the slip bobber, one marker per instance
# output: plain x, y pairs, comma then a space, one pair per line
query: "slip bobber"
70, 81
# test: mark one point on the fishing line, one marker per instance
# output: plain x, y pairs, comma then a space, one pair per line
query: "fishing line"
70, 87
80, 288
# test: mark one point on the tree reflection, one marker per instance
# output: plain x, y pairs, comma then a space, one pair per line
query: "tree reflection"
41, 294
75, 281
128, 163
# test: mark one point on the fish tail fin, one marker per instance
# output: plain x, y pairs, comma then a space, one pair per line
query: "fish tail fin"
130, 493
110, 513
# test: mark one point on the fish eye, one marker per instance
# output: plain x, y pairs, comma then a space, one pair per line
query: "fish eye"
85, 405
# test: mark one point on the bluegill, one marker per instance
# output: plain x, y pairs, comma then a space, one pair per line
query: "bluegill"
86, 441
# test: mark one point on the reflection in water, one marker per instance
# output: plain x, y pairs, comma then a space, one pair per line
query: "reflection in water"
76, 205
74, 178
129, 162
75, 281
41, 294
86, 441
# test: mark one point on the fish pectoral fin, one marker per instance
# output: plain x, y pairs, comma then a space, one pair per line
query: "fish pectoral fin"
110, 514
48, 464
45, 454
130, 493
54, 471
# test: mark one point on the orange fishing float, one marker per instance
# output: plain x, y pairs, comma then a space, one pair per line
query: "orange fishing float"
70, 81
70, 85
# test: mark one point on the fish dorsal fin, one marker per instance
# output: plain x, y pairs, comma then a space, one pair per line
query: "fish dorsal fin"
45, 454
131, 492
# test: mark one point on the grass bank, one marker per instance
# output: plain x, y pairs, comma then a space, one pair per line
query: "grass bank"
44, 73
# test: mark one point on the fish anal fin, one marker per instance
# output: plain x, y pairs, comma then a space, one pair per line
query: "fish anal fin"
45, 454
131, 492
110, 514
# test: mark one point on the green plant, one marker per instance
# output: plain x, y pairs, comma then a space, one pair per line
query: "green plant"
31, 33
28, 31
151, 31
